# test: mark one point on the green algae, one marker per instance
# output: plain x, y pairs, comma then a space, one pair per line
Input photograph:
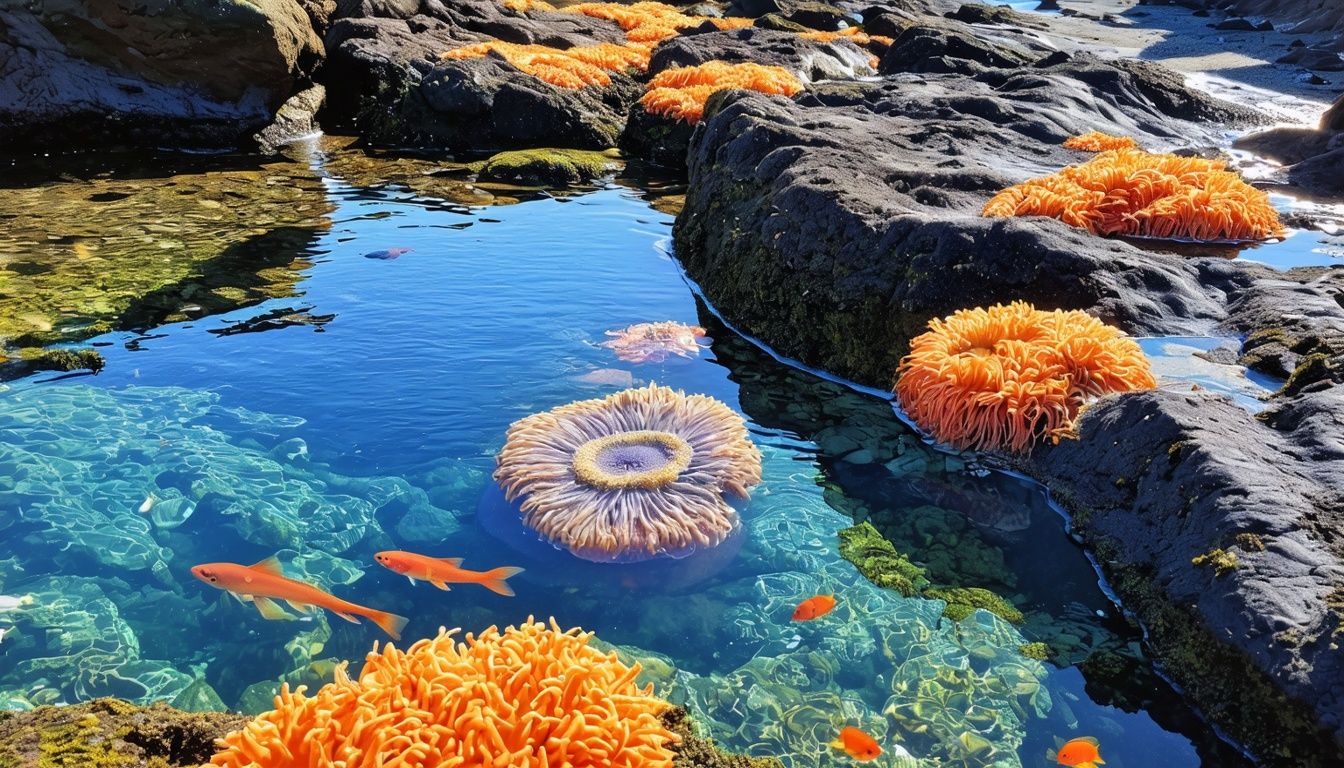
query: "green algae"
694, 751
879, 562
1222, 561
110, 733
548, 166
66, 360
1037, 651
102, 250
963, 601
1310, 369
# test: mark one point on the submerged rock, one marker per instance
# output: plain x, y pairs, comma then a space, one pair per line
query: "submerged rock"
549, 167
187, 74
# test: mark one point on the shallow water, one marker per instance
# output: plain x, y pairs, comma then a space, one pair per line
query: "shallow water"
359, 408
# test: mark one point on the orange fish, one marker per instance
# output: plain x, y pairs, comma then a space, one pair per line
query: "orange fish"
856, 743
814, 608
1082, 752
264, 583
444, 571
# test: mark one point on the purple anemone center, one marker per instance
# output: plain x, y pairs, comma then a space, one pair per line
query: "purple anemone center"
632, 457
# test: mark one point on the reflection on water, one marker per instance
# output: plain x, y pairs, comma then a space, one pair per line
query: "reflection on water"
360, 410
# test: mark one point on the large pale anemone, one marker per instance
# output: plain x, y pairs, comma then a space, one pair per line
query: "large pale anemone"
1132, 192
1011, 375
634, 475
528, 696
654, 342
680, 93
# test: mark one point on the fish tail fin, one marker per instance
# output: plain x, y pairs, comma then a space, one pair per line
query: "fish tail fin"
347, 617
495, 580
390, 623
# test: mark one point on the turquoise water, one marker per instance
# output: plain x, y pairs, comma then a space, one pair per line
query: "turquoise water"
363, 413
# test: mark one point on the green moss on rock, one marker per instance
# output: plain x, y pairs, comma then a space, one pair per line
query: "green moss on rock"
1037, 651
68, 360
879, 562
548, 166
697, 752
963, 601
1220, 560
110, 733
1310, 369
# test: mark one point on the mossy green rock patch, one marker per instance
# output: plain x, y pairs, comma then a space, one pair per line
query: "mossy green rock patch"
963, 601
110, 732
879, 562
549, 166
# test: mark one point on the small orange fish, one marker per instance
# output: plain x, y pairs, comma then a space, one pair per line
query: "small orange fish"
857, 744
265, 582
1082, 752
444, 571
814, 608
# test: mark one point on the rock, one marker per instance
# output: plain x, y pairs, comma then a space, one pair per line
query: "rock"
811, 60
296, 118
1286, 145
109, 732
397, 90
944, 49
199, 697
549, 167
185, 75
856, 202
1223, 479
1320, 175
1333, 118
1321, 61
1235, 25
656, 139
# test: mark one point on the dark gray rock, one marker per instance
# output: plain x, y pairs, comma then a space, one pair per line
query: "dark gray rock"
1235, 25
1314, 157
942, 48
1235, 521
166, 73
396, 89
812, 60
1322, 175
860, 204
296, 117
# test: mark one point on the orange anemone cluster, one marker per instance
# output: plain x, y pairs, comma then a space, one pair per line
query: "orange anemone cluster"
650, 22
853, 34
645, 24
1005, 377
1096, 141
570, 68
681, 93
528, 696
1137, 193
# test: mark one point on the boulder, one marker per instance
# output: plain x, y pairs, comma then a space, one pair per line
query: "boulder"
397, 89
168, 73
860, 203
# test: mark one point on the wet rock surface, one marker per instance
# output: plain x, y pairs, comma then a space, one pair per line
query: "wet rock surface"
186, 74
859, 203
110, 732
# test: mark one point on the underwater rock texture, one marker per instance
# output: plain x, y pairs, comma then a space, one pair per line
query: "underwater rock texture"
178, 73
104, 251
110, 732
156, 480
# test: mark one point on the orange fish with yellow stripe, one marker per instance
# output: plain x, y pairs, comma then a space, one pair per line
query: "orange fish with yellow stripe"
446, 570
264, 583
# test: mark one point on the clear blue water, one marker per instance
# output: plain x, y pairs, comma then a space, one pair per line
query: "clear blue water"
364, 413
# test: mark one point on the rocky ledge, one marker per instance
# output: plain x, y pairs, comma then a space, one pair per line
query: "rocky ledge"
110, 732
835, 225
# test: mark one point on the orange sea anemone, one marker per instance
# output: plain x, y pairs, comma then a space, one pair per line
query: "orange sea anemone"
1132, 192
853, 34
680, 93
1096, 141
529, 696
636, 474
574, 68
1008, 376
652, 22
654, 342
